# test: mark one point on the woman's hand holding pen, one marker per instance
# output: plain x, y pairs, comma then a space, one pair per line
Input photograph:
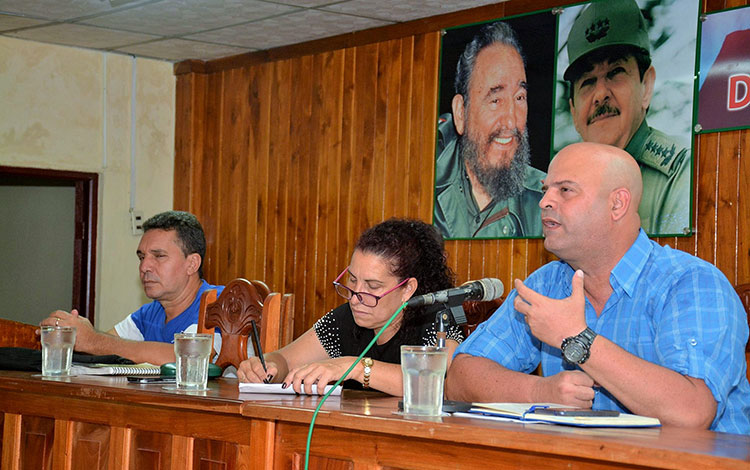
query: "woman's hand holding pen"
251, 370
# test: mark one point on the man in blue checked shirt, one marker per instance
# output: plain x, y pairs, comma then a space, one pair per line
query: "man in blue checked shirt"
619, 322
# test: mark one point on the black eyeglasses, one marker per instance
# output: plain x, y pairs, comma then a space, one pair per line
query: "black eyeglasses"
365, 298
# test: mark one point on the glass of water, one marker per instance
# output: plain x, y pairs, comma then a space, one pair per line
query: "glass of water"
192, 351
57, 349
423, 368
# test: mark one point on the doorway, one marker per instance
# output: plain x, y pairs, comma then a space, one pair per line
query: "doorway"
47, 242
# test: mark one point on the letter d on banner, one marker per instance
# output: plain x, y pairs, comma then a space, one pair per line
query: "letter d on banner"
738, 92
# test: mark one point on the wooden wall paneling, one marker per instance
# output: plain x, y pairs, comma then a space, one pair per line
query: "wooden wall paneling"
401, 181
380, 176
423, 123
365, 83
256, 206
706, 187
312, 267
327, 83
301, 219
743, 210
279, 153
207, 195
474, 260
229, 175
350, 160
288, 233
389, 92
726, 205
184, 141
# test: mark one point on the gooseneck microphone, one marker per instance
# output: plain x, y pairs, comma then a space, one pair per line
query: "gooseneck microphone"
484, 289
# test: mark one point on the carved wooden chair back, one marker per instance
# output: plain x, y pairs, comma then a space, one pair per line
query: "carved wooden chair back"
240, 303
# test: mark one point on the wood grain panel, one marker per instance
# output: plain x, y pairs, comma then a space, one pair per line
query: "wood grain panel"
150, 450
287, 156
214, 455
37, 437
90, 449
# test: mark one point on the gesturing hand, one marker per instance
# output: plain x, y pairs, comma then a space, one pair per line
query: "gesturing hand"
552, 320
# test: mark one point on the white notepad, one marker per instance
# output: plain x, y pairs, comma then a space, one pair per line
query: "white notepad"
276, 388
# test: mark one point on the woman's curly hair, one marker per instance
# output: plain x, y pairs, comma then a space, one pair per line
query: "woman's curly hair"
415, 249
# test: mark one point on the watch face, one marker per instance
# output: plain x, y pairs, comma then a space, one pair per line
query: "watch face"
574, 351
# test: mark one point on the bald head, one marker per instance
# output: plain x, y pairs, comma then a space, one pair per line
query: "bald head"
610, 167
590, 206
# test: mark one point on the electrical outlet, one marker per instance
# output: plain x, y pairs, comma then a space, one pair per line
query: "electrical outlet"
136, 222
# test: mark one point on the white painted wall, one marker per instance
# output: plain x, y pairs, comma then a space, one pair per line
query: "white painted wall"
56, 106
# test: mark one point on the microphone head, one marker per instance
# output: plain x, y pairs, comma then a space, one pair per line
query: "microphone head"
493, 288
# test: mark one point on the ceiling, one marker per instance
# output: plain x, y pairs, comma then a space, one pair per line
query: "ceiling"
176, 30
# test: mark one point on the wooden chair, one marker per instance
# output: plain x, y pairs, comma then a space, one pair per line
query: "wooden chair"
241, 302
478, 311
15, 334
743, 290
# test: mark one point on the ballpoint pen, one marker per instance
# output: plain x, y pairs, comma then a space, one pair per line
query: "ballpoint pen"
259, 349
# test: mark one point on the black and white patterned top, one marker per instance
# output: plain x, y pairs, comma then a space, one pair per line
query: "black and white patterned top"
340, 336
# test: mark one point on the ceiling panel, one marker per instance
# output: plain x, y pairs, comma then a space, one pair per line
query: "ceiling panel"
176, 30
293, 28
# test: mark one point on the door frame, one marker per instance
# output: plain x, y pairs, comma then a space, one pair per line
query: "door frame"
84, 245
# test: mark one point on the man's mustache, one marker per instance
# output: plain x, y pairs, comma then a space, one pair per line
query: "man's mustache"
604, 108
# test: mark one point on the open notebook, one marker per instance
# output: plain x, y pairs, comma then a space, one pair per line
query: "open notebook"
525, 412
115, 369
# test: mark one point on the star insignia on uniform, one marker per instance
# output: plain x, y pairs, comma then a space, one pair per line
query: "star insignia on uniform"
597, 30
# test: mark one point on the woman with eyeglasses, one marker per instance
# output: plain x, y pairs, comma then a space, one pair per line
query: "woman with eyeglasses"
392, 262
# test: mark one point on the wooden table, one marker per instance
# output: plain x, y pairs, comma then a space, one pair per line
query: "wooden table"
100, 422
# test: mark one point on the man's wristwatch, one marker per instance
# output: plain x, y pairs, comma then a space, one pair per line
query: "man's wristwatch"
576, 349
367, 364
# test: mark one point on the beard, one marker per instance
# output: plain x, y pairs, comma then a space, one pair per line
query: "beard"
500, 182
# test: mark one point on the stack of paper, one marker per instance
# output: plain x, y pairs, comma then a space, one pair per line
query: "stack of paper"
276, 388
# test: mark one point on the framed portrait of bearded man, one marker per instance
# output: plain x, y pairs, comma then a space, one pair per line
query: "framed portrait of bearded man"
626, 77
494, 127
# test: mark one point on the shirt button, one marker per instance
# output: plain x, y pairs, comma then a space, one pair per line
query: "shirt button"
693, 342
505, 230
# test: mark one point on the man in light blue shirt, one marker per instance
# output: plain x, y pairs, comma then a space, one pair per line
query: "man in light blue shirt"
620, 322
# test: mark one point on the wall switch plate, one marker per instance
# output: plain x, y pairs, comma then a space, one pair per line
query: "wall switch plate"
136, 222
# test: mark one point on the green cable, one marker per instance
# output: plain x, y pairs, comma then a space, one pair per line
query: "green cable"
317, 409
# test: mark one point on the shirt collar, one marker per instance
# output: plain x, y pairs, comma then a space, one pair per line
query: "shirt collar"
629, 268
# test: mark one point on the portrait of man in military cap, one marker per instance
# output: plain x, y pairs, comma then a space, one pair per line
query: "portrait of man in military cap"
625, 73
494, 127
